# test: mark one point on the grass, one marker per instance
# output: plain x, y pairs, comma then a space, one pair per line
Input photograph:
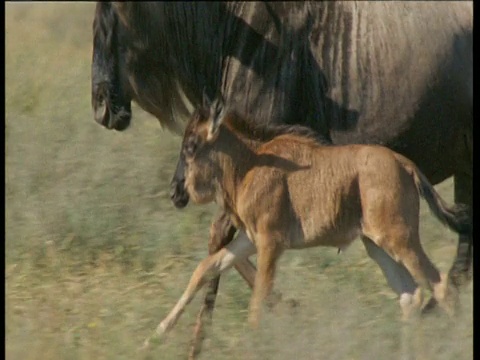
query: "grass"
95, 254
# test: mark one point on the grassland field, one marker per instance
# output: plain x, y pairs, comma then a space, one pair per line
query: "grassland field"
96, 254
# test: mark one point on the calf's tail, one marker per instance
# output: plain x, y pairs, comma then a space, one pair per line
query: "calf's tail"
456, 217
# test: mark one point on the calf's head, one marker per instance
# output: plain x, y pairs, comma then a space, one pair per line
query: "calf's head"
199, 158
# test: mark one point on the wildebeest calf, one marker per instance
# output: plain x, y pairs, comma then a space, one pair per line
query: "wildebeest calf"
285, 190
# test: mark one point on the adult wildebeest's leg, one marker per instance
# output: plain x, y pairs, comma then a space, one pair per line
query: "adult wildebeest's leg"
240, 248
460, 273
222, 232
461, 270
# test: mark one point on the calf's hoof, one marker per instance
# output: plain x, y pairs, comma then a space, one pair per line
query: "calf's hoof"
154, 339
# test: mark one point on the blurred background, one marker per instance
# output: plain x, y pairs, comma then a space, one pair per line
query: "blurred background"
96, 254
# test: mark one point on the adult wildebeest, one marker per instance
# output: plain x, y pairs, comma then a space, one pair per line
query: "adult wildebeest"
286, 190
391, 73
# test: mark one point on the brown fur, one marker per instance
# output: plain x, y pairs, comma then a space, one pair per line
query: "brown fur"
286, 190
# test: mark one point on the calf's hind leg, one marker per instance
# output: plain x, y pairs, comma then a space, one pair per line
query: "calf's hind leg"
409, 251
398, 278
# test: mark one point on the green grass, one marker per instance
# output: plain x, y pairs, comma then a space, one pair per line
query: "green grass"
95, 253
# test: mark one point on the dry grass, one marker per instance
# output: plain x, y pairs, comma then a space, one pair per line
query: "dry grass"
96, 255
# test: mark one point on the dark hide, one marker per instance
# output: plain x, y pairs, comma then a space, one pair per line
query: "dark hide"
398, 74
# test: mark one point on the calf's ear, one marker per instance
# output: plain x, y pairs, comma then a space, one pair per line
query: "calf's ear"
217, 115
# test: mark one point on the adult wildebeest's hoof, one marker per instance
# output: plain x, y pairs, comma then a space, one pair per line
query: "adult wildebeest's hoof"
292, 303
460, 278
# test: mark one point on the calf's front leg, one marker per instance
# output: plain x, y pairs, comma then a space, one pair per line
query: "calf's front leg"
222, 232
213, 265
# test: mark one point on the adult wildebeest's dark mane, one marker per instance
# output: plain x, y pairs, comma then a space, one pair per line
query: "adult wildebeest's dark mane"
174, 48
104, 40
104, 27
190, 34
